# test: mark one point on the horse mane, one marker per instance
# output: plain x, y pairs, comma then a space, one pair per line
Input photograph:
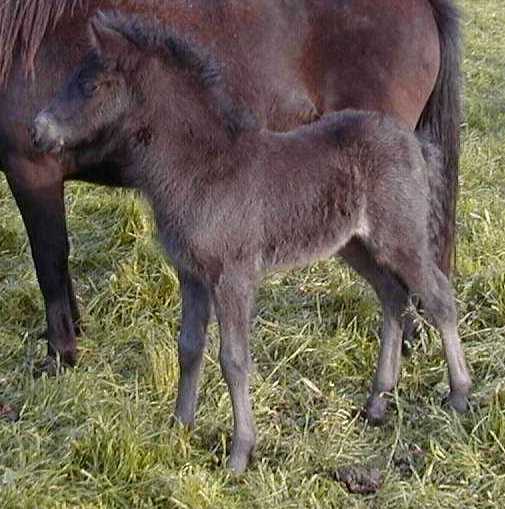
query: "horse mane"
25, 23
150, 35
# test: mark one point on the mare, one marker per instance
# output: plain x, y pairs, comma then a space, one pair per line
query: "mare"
289, 62
234, 200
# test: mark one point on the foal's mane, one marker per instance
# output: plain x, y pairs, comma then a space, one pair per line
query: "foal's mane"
25, 23
151, 36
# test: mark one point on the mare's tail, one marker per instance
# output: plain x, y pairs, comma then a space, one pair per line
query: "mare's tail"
440, 121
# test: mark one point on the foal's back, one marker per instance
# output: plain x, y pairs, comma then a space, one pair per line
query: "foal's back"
352, 173
351, 142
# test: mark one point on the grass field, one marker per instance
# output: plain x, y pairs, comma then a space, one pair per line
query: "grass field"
99, 436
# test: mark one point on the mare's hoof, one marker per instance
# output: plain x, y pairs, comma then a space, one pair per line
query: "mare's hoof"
49, 366
376, 408
53, 366
240, 457
457, 401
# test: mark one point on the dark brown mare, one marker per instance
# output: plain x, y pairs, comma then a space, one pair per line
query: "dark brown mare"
233, 200
289, 61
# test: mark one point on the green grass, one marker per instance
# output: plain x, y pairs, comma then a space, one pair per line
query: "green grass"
99, 435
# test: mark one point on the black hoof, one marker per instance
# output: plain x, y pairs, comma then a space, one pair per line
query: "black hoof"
53, 366
49, 366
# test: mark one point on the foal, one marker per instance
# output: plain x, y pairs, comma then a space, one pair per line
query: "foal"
233, 201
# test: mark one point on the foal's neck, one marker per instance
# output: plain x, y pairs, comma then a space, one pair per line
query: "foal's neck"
191, 150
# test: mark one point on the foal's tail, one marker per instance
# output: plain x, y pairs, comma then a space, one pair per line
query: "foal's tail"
440, 121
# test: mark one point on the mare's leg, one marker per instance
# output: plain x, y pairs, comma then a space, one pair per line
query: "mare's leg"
74, 310
394, 300
192, 340
38, 191
233, 300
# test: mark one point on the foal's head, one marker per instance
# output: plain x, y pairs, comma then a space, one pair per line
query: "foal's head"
136, 70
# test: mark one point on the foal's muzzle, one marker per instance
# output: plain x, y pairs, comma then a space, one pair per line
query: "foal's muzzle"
45, 134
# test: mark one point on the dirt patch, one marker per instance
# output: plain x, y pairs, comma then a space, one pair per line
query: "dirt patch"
409, 459
360, 479
8, 413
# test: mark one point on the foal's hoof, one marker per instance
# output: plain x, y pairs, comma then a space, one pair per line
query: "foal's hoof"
376, 408
239, 457
458, 401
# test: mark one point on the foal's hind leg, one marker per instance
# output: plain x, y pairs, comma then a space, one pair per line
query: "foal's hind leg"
417, 269
192, 339
436, 294
358, 257
233, 299
394, 300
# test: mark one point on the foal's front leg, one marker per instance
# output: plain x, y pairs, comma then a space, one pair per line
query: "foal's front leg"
192, 339
233, 299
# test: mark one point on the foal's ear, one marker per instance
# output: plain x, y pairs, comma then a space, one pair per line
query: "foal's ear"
110, 43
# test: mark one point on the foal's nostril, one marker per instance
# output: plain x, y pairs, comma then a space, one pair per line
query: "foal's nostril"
37, 128
33, 135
